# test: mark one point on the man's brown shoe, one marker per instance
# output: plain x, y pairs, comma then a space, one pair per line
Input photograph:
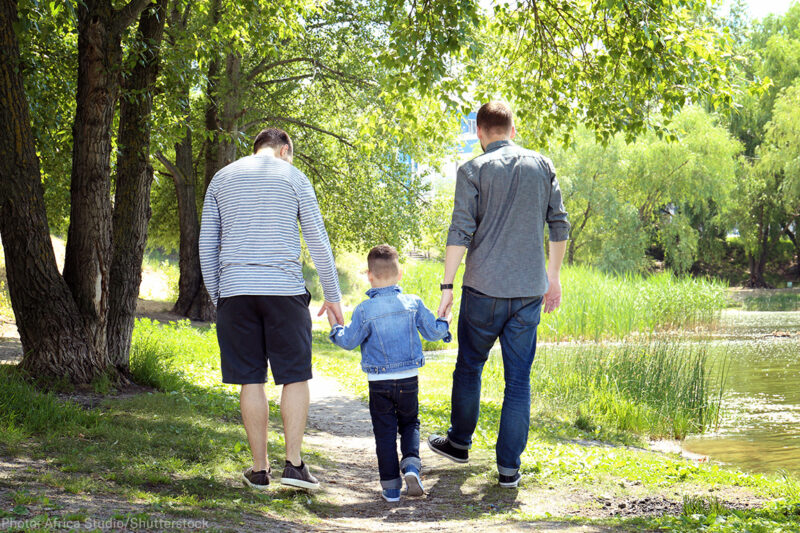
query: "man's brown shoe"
299, 476
256, 480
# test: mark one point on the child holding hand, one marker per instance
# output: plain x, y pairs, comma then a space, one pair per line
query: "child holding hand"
386, 326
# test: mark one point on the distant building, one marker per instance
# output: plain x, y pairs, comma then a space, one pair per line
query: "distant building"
467, 148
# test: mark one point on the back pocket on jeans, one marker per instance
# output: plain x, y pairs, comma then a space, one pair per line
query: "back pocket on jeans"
478, 308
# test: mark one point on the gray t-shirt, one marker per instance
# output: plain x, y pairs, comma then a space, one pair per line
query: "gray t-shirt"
503, 199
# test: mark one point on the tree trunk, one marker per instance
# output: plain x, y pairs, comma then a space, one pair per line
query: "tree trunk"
193, 299
756, 280
758, 261
133, 184
88, 252
55, 339
793, 236
212, 147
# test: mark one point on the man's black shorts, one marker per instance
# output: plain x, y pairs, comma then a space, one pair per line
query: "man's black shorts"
253, 330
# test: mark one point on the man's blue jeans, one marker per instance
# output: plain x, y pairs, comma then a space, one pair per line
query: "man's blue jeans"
483, 319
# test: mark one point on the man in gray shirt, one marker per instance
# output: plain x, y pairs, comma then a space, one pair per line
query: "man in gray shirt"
503, 200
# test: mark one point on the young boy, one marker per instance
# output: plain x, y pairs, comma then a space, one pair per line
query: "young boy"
386, 327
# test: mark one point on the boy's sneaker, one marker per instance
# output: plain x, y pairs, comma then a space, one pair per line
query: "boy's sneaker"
413, 481
256, 480
391, 495
443, 446
299, 476
510, 482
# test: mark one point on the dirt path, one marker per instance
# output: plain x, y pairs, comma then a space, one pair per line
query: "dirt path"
457, 495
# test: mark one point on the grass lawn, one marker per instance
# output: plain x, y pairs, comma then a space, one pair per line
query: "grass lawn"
178, 450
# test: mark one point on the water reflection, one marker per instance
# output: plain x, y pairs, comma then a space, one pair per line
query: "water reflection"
760, 425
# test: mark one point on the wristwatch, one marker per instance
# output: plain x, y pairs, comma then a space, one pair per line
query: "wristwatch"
445, 286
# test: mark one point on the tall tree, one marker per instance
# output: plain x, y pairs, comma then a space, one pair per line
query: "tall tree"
770, 58
64, 332
133, 182
52, 332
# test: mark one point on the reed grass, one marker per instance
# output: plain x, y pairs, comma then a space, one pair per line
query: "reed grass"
660, 389
599, 306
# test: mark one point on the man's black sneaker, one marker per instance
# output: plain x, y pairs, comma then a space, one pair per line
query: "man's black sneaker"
510, 482
443, 446
299, 476
256, 480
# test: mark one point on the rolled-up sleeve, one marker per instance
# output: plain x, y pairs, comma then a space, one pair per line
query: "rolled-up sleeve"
465, 210
557, 221
210, 243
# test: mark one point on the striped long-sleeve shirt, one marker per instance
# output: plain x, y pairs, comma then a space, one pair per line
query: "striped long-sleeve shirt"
249, 238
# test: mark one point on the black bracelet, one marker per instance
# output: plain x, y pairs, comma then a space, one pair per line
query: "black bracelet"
444, 286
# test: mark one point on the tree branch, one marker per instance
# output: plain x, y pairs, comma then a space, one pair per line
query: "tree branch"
124, 16
172, 168
263, 66
309, 126
311, 166
283, 80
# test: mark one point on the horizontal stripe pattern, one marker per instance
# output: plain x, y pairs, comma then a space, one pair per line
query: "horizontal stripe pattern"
250, 234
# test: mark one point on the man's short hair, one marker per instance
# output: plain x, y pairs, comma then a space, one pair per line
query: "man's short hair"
275, 138
383, 261
495, 117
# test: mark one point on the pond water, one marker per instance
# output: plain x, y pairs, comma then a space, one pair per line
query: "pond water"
760, 423
759, 428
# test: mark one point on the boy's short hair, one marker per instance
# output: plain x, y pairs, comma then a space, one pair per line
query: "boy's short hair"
383, 261
495, 117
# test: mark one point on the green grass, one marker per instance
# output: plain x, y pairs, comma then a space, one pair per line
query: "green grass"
615, 392
25, 410
595, 305
165, 286
555, 453
180, 448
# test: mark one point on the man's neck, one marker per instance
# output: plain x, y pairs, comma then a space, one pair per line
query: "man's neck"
267, 150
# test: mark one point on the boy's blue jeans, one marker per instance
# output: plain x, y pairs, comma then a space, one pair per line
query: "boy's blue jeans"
483, 319
394, 408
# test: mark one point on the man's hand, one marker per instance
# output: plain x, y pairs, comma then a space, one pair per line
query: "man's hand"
331, 318
335, 308
446, 304
552, 298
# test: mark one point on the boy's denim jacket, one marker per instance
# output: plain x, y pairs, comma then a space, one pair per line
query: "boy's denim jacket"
386, 327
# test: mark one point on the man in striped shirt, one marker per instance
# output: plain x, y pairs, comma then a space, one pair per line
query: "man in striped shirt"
250, 257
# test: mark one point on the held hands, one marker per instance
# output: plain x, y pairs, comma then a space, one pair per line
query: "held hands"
331, 318
334, 311
552, 298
